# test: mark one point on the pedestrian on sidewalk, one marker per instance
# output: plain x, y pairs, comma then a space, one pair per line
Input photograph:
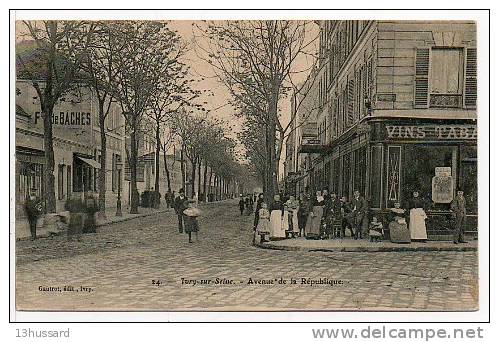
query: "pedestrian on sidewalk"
303, 211
276, 213
191, 224
314, 222
241, 204
180, 204
417, 217
259, 203
34, 210
358, 207
263, 226
458, 208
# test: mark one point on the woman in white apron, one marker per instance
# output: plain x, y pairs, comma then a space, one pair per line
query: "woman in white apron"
276, 215
314, 225
417, 217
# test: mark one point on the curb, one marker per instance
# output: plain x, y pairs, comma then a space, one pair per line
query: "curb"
103, 224
368, 249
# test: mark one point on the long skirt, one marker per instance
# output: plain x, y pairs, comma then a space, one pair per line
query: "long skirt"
313, 227
293, 224
399, 233
276, 230
285, 222
263, 225
417, 224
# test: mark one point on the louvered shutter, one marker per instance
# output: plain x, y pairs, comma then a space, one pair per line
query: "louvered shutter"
351, 94
421, 78
470, 85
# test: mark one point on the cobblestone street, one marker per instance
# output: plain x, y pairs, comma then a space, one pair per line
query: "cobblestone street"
145, 264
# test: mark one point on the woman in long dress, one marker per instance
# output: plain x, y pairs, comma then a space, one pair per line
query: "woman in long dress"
313, 228
276, 214
399, 232
417, 217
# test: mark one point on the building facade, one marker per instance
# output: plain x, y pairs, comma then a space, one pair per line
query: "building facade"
396, 113
77, 147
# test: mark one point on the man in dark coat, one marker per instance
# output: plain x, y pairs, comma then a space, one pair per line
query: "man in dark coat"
358, 207
241, 204
180, 204
34, 209
458, 207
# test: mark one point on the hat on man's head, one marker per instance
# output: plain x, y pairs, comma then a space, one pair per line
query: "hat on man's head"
181, 190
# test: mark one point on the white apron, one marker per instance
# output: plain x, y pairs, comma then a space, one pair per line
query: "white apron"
276, 224
417, 225
296, 228
285, 222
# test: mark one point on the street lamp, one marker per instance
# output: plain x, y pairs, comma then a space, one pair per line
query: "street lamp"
118, 201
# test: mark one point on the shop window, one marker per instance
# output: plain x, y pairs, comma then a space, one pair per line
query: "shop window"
360, 170
60, 182
376, 176
30, 178
419, 171
345, 177
69, 181
335, 177
468, 177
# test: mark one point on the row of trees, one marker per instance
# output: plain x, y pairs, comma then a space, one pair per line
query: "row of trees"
262, 63
137, 65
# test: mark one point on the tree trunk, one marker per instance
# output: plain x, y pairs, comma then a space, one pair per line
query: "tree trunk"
133, 170
103, 161
167, 171
199, 179
182, 166
193, 180
48, 108
205, 172
156, 164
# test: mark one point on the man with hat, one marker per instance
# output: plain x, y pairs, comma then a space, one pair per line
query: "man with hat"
180, 204
458, 208
33, 210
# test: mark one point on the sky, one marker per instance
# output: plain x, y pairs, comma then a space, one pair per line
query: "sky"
218, 104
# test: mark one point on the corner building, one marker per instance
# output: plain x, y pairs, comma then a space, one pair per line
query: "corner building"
396, 107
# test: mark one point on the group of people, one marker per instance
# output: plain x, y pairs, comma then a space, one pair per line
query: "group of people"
322, 216
327, 216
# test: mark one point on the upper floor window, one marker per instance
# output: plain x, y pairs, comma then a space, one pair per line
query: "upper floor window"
445, 77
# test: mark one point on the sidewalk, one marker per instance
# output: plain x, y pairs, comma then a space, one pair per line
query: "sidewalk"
22, 227
350, 245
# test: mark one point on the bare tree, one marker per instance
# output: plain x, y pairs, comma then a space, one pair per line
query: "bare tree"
258, 62
59, 50
100, 69
147, 48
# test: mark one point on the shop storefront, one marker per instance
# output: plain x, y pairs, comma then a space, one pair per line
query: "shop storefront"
409, 155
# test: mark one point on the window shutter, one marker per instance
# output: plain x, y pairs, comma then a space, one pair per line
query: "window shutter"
421, 78
351, 94
470, 85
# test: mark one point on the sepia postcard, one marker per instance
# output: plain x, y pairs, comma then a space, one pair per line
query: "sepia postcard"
246, 165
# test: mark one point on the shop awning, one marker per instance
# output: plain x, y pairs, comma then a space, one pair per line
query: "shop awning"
92, 162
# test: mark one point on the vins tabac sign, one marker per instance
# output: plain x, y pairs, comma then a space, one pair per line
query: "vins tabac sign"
431, 132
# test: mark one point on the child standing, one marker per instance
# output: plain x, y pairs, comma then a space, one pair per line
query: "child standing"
263, 227
191, 220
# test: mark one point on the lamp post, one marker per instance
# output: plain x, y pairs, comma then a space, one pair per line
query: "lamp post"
118, 201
